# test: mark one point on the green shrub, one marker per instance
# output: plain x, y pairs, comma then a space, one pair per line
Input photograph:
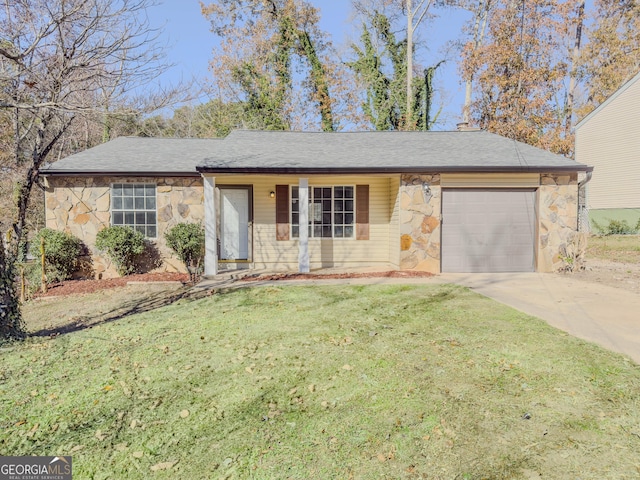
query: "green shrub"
187, 240
619, 227
61, 252
122, 245
32, 277
616, 227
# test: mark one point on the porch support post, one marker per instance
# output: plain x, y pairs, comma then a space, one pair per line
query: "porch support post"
303, 252
210, 240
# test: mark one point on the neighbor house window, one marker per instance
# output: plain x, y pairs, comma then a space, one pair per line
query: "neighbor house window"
331, 212
134, 205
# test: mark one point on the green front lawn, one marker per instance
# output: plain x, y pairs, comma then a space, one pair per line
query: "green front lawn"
322, 383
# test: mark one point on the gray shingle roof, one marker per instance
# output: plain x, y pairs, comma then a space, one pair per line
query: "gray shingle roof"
138, 155
304, 152
299, 152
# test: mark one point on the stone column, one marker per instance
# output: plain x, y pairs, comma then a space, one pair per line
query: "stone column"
420, 214
303, 247
211, 242
558, 236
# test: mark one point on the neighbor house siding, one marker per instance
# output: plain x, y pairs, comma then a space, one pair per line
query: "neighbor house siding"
269, 253
609, 140
81, 206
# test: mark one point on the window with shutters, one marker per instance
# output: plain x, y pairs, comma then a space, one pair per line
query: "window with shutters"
331, 212
134, 205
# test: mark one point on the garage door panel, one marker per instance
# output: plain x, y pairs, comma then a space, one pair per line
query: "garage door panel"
488, 230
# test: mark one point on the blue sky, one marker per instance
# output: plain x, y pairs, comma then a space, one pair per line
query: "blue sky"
190, 43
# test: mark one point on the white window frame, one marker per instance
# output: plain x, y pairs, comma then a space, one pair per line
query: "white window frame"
149, 209
344, 225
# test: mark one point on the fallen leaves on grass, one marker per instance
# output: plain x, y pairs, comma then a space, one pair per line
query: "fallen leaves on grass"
163, 466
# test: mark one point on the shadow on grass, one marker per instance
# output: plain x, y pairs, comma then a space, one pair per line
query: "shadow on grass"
140, 305
157, 300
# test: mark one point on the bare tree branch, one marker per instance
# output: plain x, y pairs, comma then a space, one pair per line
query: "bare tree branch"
67, 66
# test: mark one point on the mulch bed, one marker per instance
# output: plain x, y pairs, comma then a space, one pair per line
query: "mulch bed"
331, 276
71, 287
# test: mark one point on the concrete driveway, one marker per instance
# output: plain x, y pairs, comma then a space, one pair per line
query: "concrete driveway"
598, 313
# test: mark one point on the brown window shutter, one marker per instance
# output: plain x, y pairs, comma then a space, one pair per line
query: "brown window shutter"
282, 212
362, 212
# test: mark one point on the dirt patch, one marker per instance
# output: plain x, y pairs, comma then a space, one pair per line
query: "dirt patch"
624, 275
73, 287
57, 314
612, 260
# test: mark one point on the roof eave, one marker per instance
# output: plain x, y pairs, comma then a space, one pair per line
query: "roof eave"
88, 173
391, 170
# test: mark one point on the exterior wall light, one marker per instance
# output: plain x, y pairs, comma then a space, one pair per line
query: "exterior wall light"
272, 194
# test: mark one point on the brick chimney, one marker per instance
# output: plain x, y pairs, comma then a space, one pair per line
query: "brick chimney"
464, 127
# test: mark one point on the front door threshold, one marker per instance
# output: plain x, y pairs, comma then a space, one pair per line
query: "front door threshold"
230, 266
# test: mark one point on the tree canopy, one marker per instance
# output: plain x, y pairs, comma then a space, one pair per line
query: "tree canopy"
66, 67
538, 66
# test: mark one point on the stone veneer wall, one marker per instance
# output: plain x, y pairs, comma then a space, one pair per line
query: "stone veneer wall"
420, 214
558, 221
420, 223
81, 206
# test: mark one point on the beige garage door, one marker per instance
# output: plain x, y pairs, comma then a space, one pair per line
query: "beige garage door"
487, 230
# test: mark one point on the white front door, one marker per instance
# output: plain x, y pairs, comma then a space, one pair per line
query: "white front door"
234, 223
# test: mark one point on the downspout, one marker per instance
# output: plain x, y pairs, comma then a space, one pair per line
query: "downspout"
585, 180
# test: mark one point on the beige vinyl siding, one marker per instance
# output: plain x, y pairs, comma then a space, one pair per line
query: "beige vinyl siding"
394, 222
327, 252
610, 142
489, 180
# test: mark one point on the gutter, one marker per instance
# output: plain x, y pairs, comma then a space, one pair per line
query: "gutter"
322, 171
389, 170
101, 173
587, 179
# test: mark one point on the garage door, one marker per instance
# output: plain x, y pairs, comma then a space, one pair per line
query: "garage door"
488, 230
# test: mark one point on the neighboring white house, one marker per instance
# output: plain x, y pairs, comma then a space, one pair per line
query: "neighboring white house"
609, 140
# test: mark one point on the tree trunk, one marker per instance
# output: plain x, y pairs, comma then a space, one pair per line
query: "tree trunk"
409, 109
466, 109
573, 73
11, 325
319, 79
428, 87
479, 27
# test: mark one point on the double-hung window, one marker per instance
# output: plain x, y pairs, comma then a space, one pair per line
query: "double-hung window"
331, 212
134, 205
